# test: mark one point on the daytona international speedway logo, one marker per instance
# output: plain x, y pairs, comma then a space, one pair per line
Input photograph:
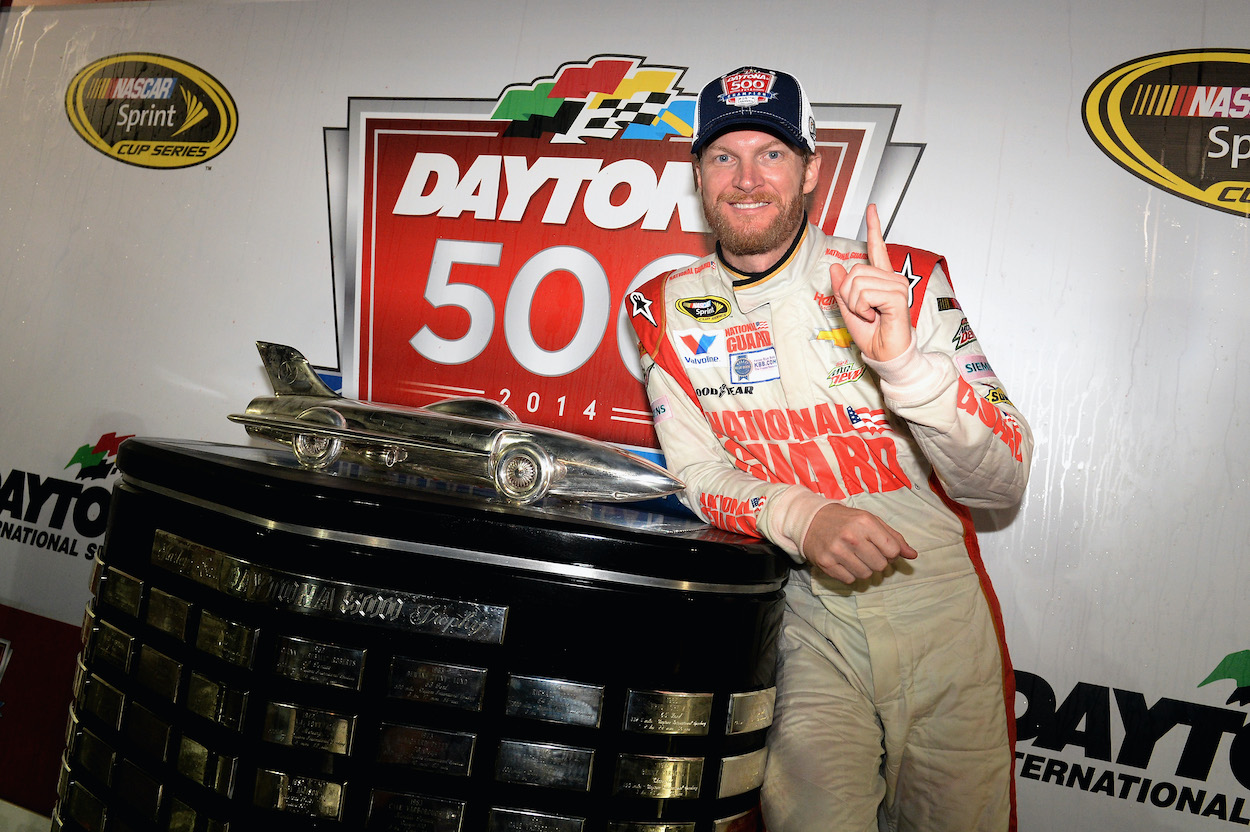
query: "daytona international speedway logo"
498, 241
1180, 121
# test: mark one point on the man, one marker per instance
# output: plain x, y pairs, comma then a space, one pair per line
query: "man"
831, 397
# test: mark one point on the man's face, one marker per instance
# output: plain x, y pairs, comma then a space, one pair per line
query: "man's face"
753, 186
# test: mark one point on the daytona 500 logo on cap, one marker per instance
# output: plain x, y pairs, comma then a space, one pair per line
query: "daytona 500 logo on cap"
748, 89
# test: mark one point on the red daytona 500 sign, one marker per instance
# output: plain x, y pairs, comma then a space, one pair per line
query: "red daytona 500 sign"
498, 242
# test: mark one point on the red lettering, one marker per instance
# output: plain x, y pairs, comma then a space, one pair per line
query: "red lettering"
777, 427
825, 421
801, 424
780, 465
812, 469
855, 463
881, 449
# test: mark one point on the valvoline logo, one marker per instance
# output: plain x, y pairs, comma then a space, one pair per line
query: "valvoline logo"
748, 89
151, 110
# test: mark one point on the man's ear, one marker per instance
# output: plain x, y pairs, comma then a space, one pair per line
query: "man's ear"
811, 174
698, 181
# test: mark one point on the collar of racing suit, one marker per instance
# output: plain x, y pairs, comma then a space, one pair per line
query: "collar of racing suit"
742, 280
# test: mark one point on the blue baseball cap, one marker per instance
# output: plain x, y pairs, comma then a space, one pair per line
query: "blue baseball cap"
751, 97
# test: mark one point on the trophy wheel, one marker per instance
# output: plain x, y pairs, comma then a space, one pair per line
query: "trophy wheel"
314, 449
523, 472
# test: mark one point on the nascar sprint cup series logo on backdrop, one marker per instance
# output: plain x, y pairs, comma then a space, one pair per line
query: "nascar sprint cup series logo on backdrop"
151, 110
1180, 121
497, 241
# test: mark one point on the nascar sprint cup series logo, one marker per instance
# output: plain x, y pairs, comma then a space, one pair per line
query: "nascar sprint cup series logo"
151, 110
1180, 121
499, 242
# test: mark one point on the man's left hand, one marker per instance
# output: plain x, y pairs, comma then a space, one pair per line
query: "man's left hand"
873, 299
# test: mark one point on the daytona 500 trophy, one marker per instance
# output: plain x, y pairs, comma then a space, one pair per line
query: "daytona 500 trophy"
272, 648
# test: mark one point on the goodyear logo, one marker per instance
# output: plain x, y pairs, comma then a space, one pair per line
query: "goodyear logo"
1180, 121
151, 110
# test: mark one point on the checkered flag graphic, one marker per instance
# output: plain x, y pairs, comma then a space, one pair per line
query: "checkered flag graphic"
640, 108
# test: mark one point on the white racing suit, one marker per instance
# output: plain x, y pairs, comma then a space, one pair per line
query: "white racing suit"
895, 694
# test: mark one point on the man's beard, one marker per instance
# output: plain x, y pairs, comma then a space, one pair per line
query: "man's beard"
744, 242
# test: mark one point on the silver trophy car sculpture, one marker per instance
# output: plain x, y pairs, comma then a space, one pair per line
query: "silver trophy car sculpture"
473, 441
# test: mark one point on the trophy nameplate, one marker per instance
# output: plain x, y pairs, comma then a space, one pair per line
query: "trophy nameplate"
227, 640
518, 820
544, 764
446, 752
111, 645
751, 711
302, 727
146, 730
99, 698
184, 818
639, 775
320, 663
117, 589
211, 770
455, 686
402, 812
742, 773
335, 600
554, 700
83, 807
659, 712
215, 701
298, 794
168, 613
158, 673
654, 826
137, 789
93, 754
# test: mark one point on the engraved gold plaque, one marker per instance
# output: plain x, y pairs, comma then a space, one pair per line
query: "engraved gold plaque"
303, 727
137, 788
158, 672
544, 764
103, 700
215, 701
94, 755
225, 639
402, 812
117, 589
454, 686
447, 752
554, 700
661, 712
111, 645
146, 730
742, 773
518, 820
299, 795
751, 711
319, 663
167, 613
83, 807
659, 777
212, 770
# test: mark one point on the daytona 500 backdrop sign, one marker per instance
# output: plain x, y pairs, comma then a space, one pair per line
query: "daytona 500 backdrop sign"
496, 243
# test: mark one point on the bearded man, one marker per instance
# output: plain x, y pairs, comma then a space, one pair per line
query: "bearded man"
808, 392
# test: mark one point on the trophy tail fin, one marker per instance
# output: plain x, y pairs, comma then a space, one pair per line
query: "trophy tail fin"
290, 373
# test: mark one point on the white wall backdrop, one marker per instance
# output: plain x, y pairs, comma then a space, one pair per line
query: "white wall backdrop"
1116, 312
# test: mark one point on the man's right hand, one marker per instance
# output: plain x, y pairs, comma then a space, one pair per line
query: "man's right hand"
850, 544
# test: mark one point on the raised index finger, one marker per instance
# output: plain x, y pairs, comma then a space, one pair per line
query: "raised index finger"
878, 255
